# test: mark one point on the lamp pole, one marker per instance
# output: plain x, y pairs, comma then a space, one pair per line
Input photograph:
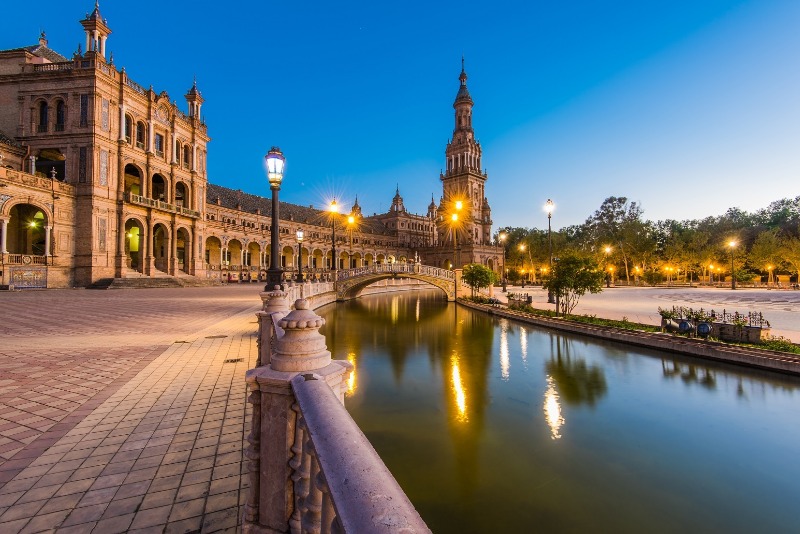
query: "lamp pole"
732, 245
275, 164
350, 222
549, 207
502, 238
456, 259
299, 256
334, 209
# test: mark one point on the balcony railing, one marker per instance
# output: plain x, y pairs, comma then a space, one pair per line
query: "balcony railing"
25, 259
161, 205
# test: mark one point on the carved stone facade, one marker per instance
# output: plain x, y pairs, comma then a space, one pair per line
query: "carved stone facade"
101, 178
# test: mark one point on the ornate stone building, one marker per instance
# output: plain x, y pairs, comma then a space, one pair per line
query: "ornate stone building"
102, 179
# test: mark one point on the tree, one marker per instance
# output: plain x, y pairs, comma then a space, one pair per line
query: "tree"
765, 253
618, 223
571, 278
477, 276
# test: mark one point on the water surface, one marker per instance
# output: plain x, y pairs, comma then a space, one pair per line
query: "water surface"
493, 426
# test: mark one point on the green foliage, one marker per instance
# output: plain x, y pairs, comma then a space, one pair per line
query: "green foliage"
513, 276
653, 277
477, 276
571, 278
781, 344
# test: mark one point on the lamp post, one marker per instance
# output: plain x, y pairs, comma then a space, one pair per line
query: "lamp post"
456, 258
732, 246
502, 238
275, 164
334, 209
769, 276
710, 273
299, 256
549, 207
351, 220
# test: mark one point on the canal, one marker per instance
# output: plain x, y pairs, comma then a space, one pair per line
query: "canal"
494, 426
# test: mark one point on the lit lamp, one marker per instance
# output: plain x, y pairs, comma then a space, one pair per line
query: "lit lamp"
334, 209
549, 207
299, 256
502, 238
732, 246
769, 277
710, 273
275, 164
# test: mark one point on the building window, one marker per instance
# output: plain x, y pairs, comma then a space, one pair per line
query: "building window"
159, 140
61, 116
140, 133
128, 128
82, 165
104, 167
186, 156
44, 110
84, 110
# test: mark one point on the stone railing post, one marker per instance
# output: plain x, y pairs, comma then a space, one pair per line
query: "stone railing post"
276, 303
273, 461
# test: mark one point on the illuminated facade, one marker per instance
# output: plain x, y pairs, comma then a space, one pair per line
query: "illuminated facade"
102, 179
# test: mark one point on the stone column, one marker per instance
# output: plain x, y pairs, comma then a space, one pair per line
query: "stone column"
3, 236
298, 348
47, 241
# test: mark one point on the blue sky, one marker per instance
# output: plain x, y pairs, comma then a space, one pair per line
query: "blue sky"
686, 107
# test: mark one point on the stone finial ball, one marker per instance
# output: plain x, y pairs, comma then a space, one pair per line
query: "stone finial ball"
301, 304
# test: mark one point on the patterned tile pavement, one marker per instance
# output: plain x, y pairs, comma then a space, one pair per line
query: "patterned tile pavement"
127, 414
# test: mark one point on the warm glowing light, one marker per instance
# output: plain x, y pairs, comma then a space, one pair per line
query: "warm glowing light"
459, 204
523, 344
394, 306
770, 267
455, 217
333, 207
417, 310
552, 409
607, 249
352, 384
549, 207
522, 246
351, 219
458, 389
505, 362
502, 236
32, 224
130, 235
732, 244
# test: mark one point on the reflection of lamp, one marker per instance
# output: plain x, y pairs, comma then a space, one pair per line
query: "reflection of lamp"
275, 165
299, 256
549, 207
502, 238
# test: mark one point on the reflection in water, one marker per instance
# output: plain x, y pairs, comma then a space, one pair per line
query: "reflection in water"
351, 382
505, 362
552, 409
578, 383
417, 313
523, 345
689, 373
395, 307
458, 390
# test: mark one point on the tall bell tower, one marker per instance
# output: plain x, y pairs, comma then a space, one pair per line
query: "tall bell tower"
463, 180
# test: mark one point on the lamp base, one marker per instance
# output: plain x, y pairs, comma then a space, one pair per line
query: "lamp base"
274, 278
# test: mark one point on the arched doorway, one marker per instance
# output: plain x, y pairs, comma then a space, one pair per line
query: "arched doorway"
159, 189
380, 259
316, 259
133, 180
213, 253
183, 249
368, 259
182, 195
357, 261
27, 230
134, 239
161, 247
253, 259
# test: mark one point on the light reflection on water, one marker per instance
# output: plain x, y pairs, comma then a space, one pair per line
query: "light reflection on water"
564, 434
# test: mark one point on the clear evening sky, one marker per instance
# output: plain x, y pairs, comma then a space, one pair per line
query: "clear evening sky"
687, 107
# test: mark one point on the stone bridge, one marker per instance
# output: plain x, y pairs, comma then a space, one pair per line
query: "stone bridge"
350, 282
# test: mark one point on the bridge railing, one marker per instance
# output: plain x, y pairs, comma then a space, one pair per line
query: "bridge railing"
311, 469
383, 268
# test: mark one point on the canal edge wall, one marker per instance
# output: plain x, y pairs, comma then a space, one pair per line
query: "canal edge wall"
759, 358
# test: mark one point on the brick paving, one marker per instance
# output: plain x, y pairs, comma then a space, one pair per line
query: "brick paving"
127, 414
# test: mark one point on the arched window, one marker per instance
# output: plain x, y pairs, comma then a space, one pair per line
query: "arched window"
43, 112
181, 197
61, 116
140, 134
128, 128
187, 155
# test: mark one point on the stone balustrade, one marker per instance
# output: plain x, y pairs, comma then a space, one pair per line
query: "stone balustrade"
311, 469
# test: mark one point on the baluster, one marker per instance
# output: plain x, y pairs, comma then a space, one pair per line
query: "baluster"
313, 514
301, 465
252, 453
328, 511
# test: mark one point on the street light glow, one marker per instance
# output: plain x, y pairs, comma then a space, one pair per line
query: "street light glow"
549, 207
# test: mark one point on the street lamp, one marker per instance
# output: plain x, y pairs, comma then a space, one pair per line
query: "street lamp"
502, 238
732, 246
549, 207
350, 222
334, 209
275, 162
769, 276
299, 256
710, 273
456, 255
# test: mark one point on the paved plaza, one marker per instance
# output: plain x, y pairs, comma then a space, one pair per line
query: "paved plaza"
125, 410
640, 304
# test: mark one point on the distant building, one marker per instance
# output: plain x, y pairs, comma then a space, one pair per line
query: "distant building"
101, 178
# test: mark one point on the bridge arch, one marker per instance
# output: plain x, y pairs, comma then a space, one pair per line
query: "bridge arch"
350, 283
